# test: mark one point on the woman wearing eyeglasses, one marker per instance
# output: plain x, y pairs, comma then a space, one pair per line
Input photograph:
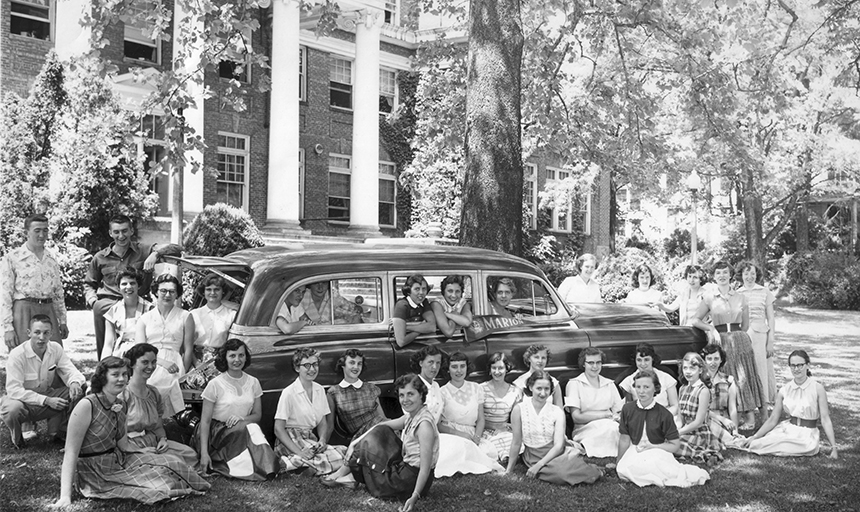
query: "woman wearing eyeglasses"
595, 406
170, 329
302, 408
805, 400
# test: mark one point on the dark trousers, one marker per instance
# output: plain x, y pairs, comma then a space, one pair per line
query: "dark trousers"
100, 307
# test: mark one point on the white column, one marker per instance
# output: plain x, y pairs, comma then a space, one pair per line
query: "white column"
70, 38
364, 187
192, 188
282, 205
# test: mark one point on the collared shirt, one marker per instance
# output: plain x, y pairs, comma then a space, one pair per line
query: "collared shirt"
29, 378
212, 325
575, 289
106, 264
23, 274
297, 410
726, 308
759, 298
582, 395
357, 384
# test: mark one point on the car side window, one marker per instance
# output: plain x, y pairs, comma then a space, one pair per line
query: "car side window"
528, 298
435, 293
350, 300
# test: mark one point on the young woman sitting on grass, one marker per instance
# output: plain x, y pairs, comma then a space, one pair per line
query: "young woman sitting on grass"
697, 441
805, 400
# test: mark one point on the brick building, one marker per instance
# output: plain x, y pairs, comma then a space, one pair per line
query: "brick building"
304, 159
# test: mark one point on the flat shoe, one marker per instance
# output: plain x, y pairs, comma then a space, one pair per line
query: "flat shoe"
29, 435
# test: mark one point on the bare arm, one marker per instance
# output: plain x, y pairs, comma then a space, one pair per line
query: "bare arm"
205, 425
770, 423
110, 340
329, 419
256, 412
284, 438
733, 403
464, 318
188, 343
479, 426
826, 422
557, 397
672, 395
581, 418
517, 442
623, 445
428, 326
771, 331
400, 335
79, 422
442, 320
745, 315
426, 441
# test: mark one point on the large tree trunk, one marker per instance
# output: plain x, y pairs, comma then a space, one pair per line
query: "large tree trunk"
756, 247
491, 215
802, 226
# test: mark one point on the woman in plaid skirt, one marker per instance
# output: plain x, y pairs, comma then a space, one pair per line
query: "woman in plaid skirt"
697, 442
99, 454
354, 403
302, 408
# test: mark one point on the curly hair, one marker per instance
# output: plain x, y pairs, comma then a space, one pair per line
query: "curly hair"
136, 352
534, 349
425, 352
507, 281
166, 278
211, 280
703, 278
231, 345
642, 267
415, 381
712, 348
500, 356
304, 353
582, 259
649, 374
341, 361
694, 359
590, 351
742, 266
412, 281
536, 376
647, 350
453, 279
721, 265
130, 273
99, 379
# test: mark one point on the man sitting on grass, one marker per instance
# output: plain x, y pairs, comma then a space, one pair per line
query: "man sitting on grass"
30, 372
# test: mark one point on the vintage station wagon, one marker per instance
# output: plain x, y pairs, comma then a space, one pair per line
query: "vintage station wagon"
365, 282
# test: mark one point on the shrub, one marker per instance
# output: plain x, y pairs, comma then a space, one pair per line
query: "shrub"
73, 261
615, 272
219, 230
822, 279
679, 243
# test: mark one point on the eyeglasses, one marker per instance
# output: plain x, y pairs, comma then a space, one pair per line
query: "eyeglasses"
796, 366
594, 363
165, 291
310, 366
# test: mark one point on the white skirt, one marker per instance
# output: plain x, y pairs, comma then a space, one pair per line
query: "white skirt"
787, 440
658, 467
599, 437
167, 383
460, 455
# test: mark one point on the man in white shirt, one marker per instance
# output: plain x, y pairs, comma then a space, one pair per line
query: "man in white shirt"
30, 372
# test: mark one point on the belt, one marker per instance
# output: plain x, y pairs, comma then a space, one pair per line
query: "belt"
800, 422
727, 327
37, 301
96, 454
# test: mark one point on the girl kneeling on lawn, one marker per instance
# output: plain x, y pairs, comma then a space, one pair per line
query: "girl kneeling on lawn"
805, 401
539, 424
393, 467
649, 440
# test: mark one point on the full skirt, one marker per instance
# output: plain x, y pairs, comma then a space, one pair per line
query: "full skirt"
241, 452
167, 383
569, 468
184, 452
377, 462
724, 430
496, 443
787, 440
599, 437
460, 455
740, 364
144, 477
658, 467
323, 463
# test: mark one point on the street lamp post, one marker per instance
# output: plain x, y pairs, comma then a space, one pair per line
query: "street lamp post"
694, 183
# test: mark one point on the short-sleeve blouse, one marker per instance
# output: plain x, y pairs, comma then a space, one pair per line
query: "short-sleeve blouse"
539, 427
409, 437
405, 309
211, 325
461, 405
232, 396
497, 411
637, 296
580, 394
297, 410
759, 298
125, 327
726, 309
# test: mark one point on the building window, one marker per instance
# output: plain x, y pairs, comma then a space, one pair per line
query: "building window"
340, 83
561, 214
587, 213
387, 90
31, 18
530, 194
136, 44
234, 64
391, 17
339, 170
303, 73
301, 183
387, 194
233, 158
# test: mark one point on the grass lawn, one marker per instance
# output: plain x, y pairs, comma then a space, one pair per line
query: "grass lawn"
30, 478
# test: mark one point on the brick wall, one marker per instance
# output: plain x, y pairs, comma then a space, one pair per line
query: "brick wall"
21, 57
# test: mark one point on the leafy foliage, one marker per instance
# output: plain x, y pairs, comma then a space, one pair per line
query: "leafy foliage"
74, 262
822, 279
219, 230
679, 243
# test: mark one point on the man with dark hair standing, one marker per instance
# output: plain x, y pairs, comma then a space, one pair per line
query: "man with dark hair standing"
102, 288
31, 286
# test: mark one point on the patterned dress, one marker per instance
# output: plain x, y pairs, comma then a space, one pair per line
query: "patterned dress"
722, 426
740, 359
569, 468
788, 439
497, 418
700, 443
458, 454
105, 472
356, 406
143, 423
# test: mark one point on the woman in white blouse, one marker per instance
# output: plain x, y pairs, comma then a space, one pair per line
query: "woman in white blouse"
212, 320
582, 287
